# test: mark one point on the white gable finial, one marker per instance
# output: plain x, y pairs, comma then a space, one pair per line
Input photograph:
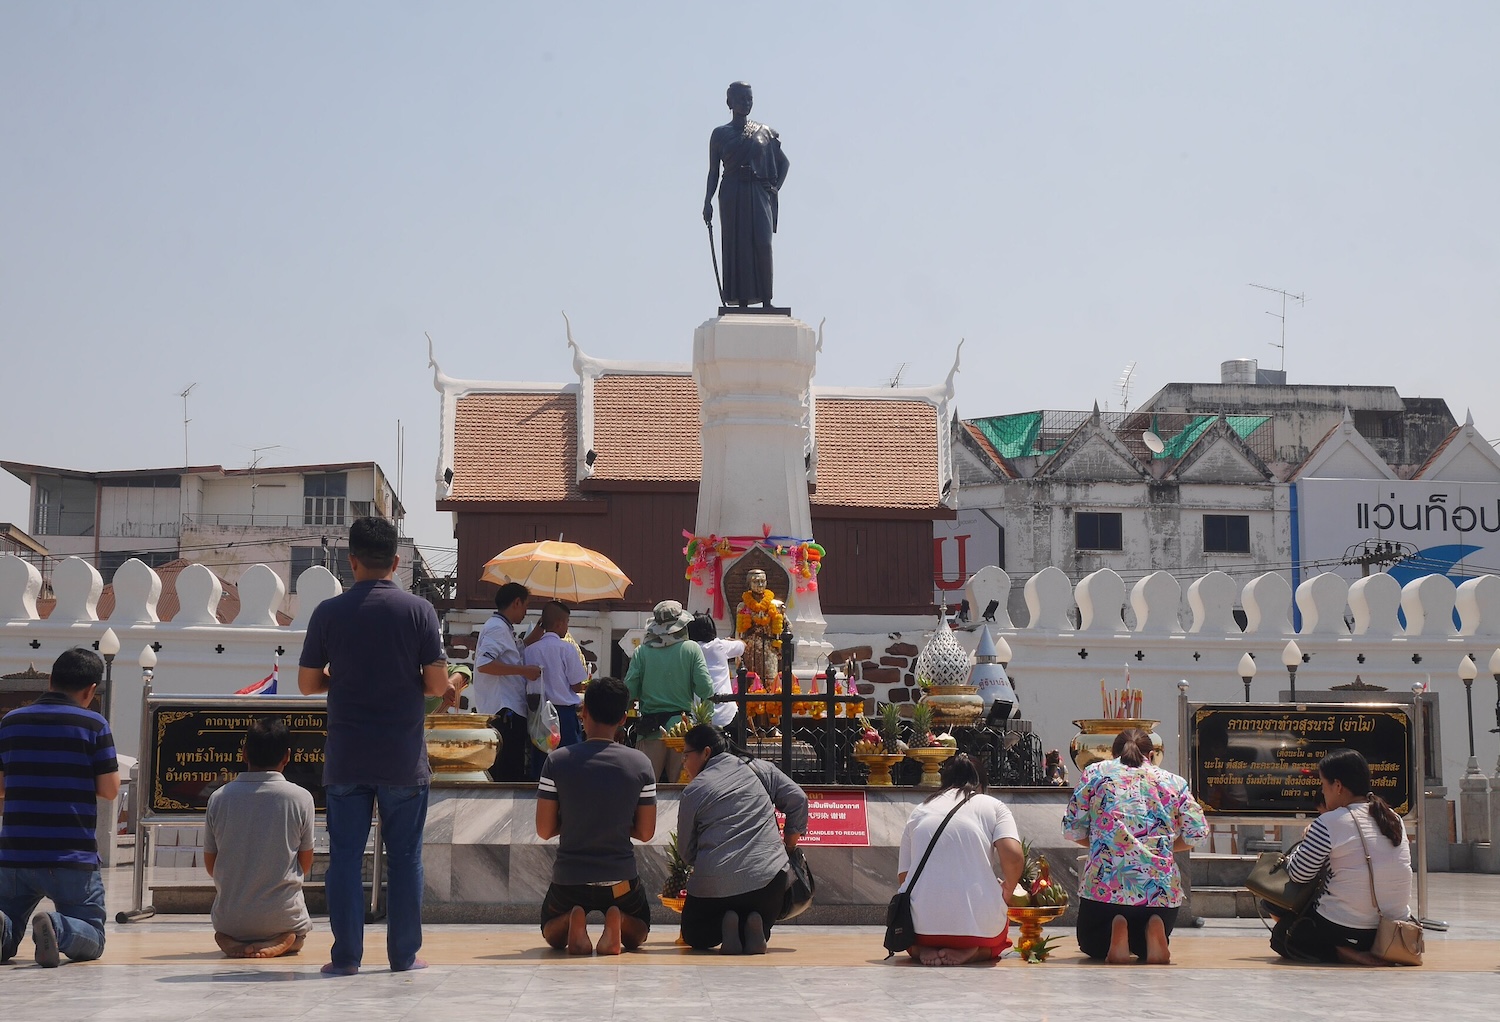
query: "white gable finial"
577, 351
1348, 419
440, 380
1469, 417
957, 352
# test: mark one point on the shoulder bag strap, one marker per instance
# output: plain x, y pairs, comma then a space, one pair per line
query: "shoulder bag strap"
1368, 864
933, 843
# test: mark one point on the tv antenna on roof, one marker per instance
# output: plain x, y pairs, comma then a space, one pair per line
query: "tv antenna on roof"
1299, 299
185, 421
895, 380
1123, 383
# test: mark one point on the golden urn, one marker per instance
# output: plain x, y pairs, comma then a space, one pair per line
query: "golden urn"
461, 746
1096, 736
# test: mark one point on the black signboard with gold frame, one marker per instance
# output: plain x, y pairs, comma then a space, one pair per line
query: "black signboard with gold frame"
194, 746
1260, 761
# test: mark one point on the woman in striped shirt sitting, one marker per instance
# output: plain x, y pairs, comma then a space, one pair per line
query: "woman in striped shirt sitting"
1356, 822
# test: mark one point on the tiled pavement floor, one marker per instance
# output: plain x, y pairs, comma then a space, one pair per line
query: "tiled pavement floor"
165, 969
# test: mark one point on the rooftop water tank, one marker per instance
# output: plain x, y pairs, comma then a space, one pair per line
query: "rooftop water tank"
1238, 370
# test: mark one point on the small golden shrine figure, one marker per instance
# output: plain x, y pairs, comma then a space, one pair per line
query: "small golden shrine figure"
758, 621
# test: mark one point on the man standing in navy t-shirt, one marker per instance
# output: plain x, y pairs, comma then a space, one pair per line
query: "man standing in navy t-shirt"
383, 654
56, 758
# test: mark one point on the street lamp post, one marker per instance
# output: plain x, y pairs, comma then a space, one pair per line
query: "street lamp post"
1468, 670
1474, 790
147, 660
109, 648
1247, 672
1291, 659
1495, 673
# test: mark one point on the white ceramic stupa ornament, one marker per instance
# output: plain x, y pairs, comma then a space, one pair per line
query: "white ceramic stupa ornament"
943, 661
988, 676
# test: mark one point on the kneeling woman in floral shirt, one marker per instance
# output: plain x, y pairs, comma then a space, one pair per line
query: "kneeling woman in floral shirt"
1131, 815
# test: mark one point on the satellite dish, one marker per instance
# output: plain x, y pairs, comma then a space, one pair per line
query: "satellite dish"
1153, 442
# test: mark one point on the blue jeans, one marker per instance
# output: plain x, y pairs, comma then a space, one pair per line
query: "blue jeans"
79, 919
403, 814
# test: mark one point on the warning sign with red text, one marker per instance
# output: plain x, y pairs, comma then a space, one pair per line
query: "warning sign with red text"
835, 819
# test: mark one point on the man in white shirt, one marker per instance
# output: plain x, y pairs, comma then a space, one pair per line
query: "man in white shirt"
717, 653
563, 675
503, 680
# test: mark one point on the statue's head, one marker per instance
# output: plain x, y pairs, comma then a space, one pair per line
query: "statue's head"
757, 580
739, 96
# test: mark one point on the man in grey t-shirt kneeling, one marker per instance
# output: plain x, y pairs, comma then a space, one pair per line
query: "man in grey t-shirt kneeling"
258, 846
594, 798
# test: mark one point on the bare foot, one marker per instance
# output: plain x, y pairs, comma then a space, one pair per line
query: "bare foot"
1119, 942
273, 948
332, 969
927, 955
232, 948
957, 955
578, 932
609, 940
1157, 952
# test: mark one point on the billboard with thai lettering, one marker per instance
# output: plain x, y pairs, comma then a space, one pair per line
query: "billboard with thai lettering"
1452, 529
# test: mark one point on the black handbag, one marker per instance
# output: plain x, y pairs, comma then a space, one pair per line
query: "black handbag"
800, 886
900, 931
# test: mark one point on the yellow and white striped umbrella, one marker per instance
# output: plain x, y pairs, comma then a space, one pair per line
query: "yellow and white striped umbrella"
559, 571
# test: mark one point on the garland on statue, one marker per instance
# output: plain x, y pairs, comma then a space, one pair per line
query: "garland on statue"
706, 556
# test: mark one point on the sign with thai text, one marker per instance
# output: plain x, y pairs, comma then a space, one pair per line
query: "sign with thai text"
1262, 760
835, 819
195, 750
1451, 527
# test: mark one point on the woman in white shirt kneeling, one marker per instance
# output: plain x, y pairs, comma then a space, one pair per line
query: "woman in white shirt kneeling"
957, 906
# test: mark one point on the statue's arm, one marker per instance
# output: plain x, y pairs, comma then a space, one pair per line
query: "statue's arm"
782, 165
715, 153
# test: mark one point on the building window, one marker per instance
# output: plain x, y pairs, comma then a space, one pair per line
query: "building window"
323, 498
1226, 534
334, 558
1098, 530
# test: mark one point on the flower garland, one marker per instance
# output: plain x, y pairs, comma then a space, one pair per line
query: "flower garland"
760, 611
706, 556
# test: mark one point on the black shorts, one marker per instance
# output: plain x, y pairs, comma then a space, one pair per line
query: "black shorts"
563, 898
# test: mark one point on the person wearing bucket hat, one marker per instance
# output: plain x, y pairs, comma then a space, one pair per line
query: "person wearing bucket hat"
666, 675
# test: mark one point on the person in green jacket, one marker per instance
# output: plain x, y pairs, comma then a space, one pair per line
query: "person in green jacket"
666, 675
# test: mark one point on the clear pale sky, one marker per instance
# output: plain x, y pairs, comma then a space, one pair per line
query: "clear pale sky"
276, 200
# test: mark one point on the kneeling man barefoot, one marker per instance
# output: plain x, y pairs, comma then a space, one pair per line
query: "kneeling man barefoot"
258, 846
594, 798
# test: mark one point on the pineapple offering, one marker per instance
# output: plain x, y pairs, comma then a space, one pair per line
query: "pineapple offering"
1036, 899
1036, 888
675, 887
921, 727
890, 729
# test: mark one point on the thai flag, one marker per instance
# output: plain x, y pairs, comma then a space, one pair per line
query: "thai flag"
265, 686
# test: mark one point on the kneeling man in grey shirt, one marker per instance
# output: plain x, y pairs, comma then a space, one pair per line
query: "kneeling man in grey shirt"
258, 847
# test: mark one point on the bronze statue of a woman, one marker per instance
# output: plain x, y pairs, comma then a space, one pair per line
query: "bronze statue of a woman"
754, 168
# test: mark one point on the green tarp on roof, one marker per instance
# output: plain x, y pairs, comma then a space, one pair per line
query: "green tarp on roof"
1243, 426
1013, 436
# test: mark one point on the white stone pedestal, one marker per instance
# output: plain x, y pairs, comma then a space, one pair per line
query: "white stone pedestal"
1474, 805
754, 375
